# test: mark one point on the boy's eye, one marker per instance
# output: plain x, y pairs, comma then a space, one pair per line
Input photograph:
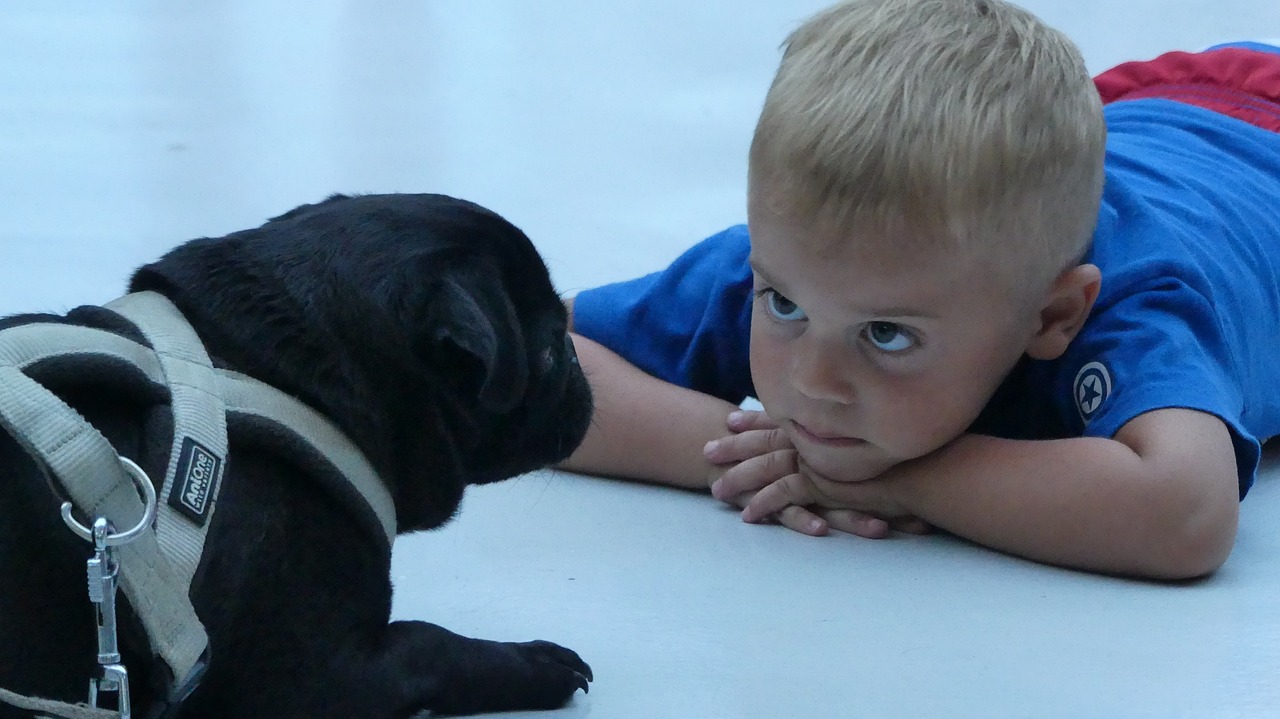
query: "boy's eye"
783, 308
889, 337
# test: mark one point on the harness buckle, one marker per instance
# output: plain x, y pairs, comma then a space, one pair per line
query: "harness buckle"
102, 570
112, 679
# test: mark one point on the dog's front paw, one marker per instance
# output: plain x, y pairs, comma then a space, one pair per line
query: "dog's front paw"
508, 676
565, 662
470, 676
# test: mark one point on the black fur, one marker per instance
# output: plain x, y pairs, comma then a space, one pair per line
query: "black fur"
428, 330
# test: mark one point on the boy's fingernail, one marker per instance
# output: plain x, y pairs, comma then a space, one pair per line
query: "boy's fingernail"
815, 525
715, 488
737, 415
710, 447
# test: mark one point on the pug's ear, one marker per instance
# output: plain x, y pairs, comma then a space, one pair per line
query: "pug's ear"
482, 322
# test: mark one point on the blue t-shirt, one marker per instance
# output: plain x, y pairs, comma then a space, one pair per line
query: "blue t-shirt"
1188, 243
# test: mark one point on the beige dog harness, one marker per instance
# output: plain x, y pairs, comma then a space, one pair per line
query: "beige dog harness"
156, 561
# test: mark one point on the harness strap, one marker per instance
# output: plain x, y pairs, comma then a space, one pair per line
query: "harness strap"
157, 567
201, 396
62, 710
246, 396
87, 468
25, 345
199, 451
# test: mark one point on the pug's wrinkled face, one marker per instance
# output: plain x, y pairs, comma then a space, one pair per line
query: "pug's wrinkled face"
424, 326
549, 422
500, 331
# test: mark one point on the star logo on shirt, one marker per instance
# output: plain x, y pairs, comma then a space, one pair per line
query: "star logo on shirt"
1091, 387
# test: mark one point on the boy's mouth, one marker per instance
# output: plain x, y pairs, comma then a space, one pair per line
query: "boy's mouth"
824, 437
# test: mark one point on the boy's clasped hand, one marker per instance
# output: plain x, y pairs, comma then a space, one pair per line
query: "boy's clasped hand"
758, 469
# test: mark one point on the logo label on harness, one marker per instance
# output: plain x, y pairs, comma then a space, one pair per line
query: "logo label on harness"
193, 483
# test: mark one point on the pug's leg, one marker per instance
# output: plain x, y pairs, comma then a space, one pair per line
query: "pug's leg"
447, 673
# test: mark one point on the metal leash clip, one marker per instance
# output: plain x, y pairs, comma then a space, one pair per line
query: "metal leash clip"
102, 570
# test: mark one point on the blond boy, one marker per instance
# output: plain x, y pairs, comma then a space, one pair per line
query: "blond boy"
947, 319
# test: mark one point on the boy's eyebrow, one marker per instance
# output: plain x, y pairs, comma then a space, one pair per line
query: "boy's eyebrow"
764, 274
895, 311
755, 267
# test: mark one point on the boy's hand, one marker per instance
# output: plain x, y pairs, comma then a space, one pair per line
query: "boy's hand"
757, 468
757, 453
870, 503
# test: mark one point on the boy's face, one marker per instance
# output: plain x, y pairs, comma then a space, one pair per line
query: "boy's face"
866, 359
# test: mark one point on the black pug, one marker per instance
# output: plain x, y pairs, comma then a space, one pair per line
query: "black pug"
427, 329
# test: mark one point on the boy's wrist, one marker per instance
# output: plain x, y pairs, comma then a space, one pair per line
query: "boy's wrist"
909, 485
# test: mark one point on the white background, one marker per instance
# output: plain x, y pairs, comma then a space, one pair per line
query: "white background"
615, 134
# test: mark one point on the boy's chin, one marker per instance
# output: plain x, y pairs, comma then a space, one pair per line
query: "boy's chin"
845, 470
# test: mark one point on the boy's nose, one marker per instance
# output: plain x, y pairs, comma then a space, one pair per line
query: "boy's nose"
822, 372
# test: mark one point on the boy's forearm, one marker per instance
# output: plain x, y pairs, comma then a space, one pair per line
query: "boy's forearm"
1088, 503
644, 428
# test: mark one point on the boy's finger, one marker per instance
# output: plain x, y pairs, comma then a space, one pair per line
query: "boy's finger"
803, 521
754, 474
777, 496
739, 447
857, 523
743, 420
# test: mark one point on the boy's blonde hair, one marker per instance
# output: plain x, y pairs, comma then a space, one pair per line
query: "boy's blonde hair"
969, 123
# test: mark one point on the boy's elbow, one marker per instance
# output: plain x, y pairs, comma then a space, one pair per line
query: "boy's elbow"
1201, 541
1188, 492
1201, 553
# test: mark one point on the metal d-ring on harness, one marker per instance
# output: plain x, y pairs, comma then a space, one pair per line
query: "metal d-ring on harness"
155, 561
102, 570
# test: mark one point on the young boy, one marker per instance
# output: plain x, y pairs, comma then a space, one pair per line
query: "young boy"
957, 313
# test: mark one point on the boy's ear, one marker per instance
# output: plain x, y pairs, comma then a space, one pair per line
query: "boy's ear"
1065, 310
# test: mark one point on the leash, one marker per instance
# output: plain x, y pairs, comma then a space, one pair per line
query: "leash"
55, 708
157, 562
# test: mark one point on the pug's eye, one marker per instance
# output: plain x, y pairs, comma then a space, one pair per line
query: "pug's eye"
546, 361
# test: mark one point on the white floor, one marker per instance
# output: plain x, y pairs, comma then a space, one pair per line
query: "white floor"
614, 133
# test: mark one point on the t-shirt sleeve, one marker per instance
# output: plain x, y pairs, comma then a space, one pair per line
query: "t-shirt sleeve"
1159, 346
689, 324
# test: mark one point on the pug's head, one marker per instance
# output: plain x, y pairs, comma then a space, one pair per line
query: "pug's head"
424, 326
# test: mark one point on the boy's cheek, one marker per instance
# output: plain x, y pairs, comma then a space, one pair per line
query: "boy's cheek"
766, 361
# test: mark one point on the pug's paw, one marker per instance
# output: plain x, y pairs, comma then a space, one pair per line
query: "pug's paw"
455, 675
559, 659
510, 676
